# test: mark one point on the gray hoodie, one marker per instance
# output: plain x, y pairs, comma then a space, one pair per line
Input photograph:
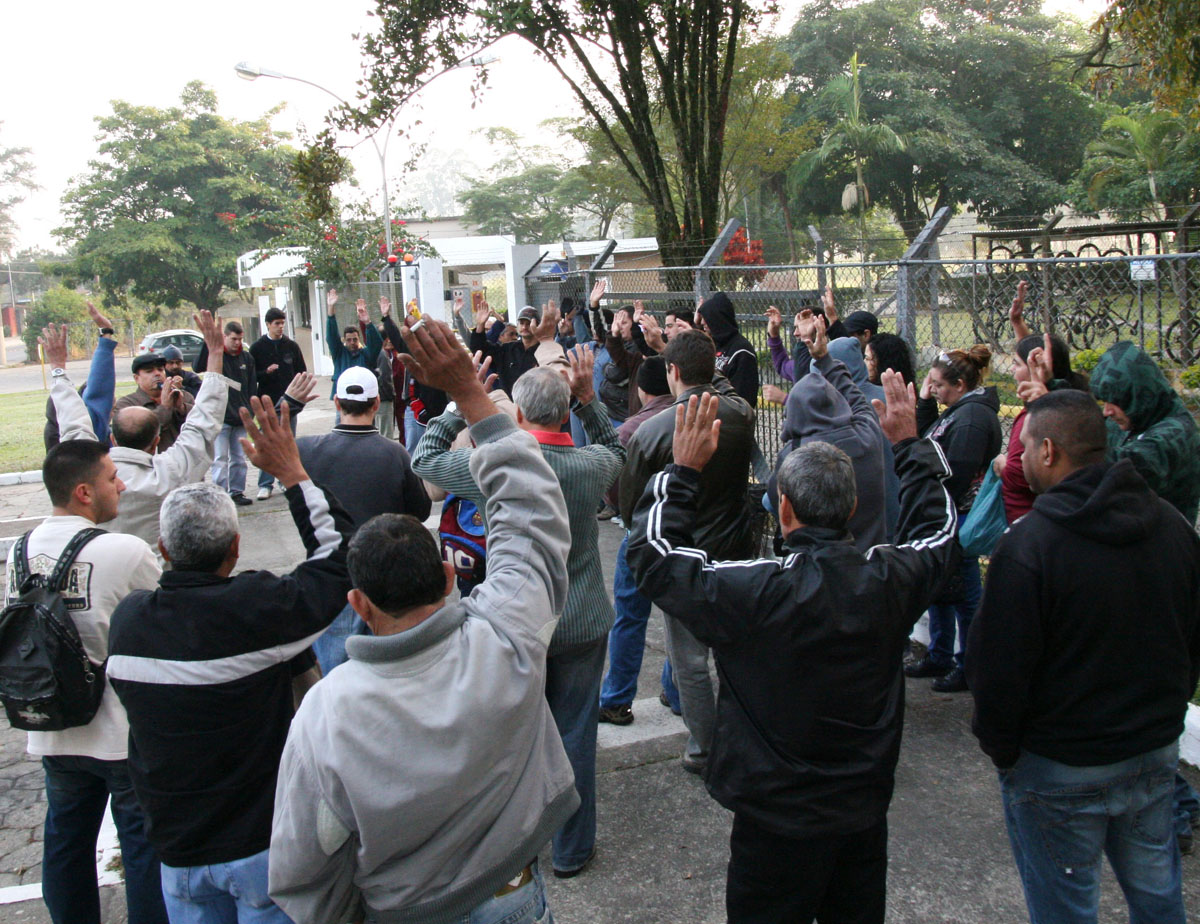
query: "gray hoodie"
826, 406
427, 771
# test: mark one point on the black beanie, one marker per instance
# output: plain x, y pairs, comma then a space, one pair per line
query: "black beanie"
652, 376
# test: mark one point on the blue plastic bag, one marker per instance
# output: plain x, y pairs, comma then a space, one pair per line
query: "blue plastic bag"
985, 522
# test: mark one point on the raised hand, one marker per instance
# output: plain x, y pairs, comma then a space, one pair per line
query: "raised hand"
360, 306
548, 323
331, 299
209, 326
437, 359
459, 303
483, 366
653, 333
598, 291
482, 313
696, 431
774, 394
54, 342
827, 303
774, 321
1041, 362
303, 387
385, 305
579, 376
812, 332
269, 443
1016, 314
100, 319
898, 417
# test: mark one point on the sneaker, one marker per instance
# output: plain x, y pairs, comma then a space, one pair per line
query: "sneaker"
955, 681
572, 873
606, 513
617, 715
1184, 840
662, 698
263, 493
692, 764
241, 499
926, 667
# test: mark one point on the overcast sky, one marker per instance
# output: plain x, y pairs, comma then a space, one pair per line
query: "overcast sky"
61, 63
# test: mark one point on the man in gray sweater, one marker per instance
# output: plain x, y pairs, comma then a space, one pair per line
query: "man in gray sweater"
368, 473
421, 778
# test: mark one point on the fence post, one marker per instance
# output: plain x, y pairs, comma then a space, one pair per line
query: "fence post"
1180, 282
588, 276
907, 274
1047, 285
820, 251
702, 289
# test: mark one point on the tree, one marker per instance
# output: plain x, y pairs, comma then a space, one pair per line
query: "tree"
176, 195
16, 179
981, 92
1139, 161
622, 60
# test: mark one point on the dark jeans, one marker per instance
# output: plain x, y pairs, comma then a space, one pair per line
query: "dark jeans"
77, 789
835, 879
573, 693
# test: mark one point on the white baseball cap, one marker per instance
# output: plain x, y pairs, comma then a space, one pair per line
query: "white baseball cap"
357, 384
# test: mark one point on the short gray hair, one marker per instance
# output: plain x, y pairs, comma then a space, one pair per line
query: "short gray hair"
196, 525
543, 396
818, 481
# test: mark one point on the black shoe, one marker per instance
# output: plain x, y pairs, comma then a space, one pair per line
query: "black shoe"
662, 698
241, 499
692, 764
954, 682
571, 873
616, 715
1185, 842
604, 513
926, 667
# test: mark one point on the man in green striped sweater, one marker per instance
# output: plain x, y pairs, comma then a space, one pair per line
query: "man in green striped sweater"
575, 662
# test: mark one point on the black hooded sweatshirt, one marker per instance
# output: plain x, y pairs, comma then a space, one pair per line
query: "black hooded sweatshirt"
969, 433
1087, 646
736, 358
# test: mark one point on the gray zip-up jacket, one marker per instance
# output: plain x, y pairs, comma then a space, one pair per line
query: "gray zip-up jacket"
426, 771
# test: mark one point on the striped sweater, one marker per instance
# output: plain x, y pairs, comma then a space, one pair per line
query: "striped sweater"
584, 475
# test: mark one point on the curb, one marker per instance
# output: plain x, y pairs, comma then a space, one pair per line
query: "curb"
10, 478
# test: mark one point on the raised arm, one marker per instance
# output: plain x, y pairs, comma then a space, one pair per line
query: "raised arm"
192, 451
74, 423
98, 392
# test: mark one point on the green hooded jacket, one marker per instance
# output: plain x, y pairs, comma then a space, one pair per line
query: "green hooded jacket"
1162, 441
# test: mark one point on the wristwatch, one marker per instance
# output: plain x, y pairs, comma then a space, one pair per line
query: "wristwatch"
107, 332
57, 373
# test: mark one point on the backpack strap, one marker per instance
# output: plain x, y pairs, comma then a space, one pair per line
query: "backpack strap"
20, 559
58, 577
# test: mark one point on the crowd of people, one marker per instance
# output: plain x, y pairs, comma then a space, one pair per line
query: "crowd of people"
393, 730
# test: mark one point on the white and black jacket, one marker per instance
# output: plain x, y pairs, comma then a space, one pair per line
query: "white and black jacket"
201, 665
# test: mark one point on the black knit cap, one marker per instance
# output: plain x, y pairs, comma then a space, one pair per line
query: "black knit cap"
652, 376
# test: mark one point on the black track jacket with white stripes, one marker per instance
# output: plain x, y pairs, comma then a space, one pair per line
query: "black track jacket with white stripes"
202, 667
808, 649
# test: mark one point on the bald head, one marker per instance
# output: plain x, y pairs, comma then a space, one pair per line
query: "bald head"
135, 428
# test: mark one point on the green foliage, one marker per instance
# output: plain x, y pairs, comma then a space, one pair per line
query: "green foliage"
981, 93
1146, 162
16, 179
59, 305
1161, 38
175, 196
662, 59
1190, 377
1085, 360
317, 169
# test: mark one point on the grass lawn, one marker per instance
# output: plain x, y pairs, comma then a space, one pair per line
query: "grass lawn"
22, 416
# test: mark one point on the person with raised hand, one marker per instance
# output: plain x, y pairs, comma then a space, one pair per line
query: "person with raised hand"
444, 816
535, 345
810, 785
354, 345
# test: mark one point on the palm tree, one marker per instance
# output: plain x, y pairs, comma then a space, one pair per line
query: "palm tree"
852, 136
1141, 143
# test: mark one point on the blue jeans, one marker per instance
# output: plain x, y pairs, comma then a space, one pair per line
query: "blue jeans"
627, 638
527, 905
1062, 819
942, 617
330, 648
413, 431
1185, 803
668, 685
573, 693
265, 480
223, 893
229, 460
77, 790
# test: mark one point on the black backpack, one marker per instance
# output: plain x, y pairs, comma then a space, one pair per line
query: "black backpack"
47, 681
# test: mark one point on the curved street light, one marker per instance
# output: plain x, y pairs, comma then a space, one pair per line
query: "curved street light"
248, 71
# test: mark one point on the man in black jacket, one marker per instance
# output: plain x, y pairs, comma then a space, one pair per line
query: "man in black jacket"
203, 666
277, 360
511, 360
736, 359
809, 652
1081, 661
229, 461
722, 527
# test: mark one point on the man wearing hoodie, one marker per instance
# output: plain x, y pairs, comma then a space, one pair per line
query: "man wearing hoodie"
1081, 661
826, 406
736, 359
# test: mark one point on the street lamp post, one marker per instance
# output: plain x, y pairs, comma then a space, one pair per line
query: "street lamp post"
249, 71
